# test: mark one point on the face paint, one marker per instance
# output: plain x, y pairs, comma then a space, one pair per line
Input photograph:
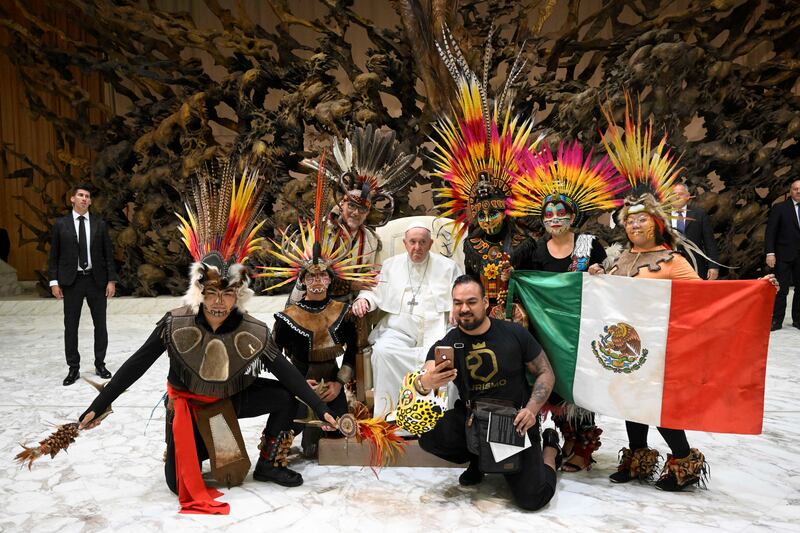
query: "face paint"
556, 218
219, 302
491, 220
641, 230
317, 283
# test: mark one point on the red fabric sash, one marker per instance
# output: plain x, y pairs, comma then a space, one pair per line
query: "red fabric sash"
194, 496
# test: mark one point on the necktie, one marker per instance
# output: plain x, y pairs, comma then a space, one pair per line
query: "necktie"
83, 253
681, 222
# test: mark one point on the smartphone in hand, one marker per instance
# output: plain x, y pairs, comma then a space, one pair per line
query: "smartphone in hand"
443, 355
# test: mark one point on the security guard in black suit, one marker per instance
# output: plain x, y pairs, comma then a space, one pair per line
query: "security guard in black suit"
82, 267
695, 225
782, 243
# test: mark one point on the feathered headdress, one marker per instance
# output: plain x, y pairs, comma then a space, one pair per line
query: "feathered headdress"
369, 168
315, 247
650, 171
220, 229
477, 153
570, 178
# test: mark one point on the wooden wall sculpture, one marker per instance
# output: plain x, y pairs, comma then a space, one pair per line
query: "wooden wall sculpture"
273, 90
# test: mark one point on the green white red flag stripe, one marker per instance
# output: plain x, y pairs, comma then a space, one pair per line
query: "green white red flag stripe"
682, 354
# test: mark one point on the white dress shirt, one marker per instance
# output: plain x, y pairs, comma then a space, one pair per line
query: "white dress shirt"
77, 223
675, 214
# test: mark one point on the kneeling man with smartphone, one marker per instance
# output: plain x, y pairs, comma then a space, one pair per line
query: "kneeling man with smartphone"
487, 359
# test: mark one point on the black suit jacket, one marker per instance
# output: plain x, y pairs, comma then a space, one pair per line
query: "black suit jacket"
63, 264
783, 232
699, 231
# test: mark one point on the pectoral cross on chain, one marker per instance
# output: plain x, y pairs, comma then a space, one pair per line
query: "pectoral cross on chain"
412, 303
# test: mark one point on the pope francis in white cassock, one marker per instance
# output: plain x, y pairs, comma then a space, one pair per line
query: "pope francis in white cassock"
414, 291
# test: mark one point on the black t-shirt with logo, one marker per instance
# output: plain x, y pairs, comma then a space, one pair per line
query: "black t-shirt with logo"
494, 362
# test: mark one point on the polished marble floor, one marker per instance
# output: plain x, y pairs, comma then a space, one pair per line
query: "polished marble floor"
112, 479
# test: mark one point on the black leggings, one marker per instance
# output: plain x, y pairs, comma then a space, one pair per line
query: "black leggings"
532, 487
264, 396
675, 438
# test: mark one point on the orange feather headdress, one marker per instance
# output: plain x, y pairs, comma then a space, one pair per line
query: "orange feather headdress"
651, 171
220, 229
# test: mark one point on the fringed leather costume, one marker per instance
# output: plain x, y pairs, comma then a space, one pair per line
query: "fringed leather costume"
213, 374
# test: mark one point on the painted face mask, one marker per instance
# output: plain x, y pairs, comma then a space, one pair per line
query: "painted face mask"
556, 218
491, 221
318, 282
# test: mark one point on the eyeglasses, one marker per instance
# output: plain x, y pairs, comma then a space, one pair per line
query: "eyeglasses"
357, 207
634, 220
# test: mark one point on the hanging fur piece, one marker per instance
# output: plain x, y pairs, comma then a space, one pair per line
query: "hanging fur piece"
639, 463
587, 442
678, 474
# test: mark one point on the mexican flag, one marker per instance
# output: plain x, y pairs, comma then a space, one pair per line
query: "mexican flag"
681, 354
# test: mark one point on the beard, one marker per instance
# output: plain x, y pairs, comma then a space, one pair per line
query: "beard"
470, 322
352, 223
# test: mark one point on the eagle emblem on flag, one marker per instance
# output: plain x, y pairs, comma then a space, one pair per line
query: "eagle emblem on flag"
620, 349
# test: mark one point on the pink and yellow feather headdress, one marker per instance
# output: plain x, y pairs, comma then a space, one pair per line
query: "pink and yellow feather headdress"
570, 177
478, 149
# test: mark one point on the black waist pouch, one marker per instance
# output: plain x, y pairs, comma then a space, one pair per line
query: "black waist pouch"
477, 429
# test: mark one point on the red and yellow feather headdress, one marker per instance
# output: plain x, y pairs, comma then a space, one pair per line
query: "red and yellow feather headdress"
477, 151
649, 170
220, 229
223, 216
